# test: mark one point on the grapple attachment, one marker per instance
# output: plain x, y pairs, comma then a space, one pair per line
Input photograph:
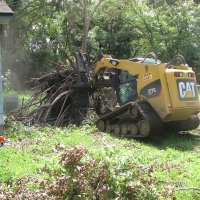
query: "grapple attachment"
86, 76
82, 65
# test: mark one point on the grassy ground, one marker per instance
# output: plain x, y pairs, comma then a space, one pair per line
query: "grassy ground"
83, 163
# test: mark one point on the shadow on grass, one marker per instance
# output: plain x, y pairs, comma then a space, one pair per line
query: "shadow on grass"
182, 141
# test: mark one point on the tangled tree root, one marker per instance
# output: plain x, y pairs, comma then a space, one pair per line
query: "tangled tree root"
57, 103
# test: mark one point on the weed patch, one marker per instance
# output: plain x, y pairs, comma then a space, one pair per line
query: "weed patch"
83, 163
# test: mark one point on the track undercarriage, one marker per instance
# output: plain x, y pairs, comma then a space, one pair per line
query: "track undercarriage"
135, 119
138, 119
183, 125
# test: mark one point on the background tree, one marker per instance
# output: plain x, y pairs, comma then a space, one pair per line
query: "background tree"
87, 19
26, 47
40, 30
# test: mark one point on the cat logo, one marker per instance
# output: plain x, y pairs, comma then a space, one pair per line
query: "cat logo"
186, 90
114, 62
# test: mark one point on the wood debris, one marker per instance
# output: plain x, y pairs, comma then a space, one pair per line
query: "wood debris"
56, 102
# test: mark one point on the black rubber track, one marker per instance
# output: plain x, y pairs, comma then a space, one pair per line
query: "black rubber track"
117, 112
147, 112
185, 125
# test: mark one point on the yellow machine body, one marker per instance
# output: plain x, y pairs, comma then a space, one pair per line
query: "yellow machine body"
171, 90
151, 95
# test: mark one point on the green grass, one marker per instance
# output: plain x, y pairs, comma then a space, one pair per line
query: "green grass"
164, 167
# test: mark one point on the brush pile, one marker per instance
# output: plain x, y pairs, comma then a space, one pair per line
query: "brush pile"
55, 102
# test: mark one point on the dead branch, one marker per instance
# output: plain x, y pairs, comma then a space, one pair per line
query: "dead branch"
70, 60
56, 102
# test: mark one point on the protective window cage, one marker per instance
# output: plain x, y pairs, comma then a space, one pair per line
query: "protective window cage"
127, 87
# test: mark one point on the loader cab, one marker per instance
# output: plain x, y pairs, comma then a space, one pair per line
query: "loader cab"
125, 86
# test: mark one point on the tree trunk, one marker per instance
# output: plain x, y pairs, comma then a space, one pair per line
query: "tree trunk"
87, 20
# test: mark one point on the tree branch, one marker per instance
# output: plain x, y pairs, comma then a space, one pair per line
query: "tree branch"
95, 8
81, 3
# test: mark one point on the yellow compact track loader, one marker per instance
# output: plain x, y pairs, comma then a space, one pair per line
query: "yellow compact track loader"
152, 95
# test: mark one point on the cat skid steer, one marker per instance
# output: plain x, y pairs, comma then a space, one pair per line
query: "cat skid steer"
151, 95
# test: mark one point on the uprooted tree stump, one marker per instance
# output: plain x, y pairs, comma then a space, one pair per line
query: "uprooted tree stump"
55, 102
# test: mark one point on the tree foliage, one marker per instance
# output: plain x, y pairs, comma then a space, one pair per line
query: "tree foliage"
41, 29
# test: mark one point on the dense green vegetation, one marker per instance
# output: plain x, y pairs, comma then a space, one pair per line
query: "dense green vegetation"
40, 30
83, 163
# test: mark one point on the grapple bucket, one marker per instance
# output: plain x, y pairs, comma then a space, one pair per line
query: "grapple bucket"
86, 76
82, 66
